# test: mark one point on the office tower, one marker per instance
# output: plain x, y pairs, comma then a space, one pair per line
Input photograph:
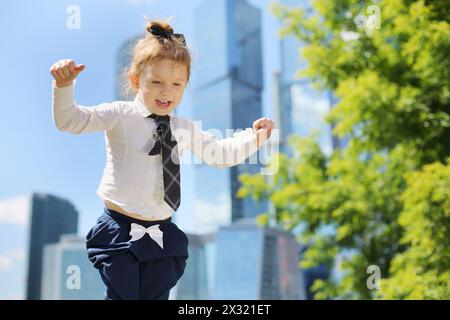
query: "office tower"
123, 60
308, 276
307, 107
27, 224
67, 273
256, 263
281, 114
197, 282
227, 95
303, 106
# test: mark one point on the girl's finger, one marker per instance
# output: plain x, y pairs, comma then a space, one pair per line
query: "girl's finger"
60, 74
66, 71
71, 67
55, 74
80, 67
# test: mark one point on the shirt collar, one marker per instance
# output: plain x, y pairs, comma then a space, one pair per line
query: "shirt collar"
143, 109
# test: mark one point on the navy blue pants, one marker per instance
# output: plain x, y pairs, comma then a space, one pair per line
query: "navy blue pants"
138, 269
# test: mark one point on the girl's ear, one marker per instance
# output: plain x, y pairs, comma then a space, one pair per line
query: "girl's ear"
134, 80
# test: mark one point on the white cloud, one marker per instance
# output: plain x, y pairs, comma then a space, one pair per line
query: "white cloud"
9, 258
15, 210
17, 254
6, 263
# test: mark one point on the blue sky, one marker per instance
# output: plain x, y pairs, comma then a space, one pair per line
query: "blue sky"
35, 155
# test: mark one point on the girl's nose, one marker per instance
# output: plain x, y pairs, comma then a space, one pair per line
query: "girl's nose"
166, 91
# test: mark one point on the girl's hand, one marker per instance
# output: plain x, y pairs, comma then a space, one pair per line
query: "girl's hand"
65, 71
263, 129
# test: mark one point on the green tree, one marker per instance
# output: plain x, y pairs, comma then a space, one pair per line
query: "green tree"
393, 89
423, 270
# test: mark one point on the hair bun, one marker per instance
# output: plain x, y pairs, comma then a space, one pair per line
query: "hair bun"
159, 29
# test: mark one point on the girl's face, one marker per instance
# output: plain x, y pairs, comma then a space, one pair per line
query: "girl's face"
161, 86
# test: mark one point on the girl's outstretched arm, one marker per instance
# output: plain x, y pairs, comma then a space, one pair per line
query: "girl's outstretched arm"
70, 117
226, 152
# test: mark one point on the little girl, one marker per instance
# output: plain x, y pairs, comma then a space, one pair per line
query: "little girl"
139, 252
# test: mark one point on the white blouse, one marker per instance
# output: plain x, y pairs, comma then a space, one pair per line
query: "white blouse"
132, 179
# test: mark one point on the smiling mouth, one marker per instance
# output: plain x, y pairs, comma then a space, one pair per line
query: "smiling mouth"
163, 103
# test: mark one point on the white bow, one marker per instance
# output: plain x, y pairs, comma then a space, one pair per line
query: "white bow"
137, 231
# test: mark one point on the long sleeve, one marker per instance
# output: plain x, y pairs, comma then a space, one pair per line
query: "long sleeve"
70, 117
221, 153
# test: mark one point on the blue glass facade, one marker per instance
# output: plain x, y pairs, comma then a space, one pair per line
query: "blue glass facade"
195, 284
227, 77
122, 63
50, 217
239, 263
305, 107
256, 263
67, 272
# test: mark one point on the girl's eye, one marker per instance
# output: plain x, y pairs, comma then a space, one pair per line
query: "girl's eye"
155, 81
177, 84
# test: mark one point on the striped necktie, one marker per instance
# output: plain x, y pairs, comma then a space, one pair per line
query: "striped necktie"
165, 144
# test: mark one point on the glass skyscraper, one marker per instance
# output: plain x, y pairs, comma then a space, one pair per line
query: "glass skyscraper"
303, 107
27, 224
67, 273
228, 82
197, 280
256, 263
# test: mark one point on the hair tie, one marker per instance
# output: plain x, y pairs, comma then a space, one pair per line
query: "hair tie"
161, 33
158, 32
